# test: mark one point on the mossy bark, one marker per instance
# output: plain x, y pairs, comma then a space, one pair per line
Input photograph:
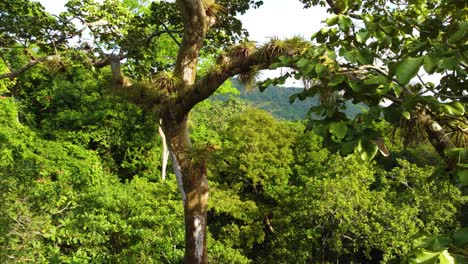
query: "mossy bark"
193, 185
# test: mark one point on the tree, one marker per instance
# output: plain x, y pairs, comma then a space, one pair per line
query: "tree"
168, 83
372, 53
174, 92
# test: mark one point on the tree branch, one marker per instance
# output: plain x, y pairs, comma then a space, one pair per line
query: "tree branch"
232, 65
158, 33
196, 25
27, 66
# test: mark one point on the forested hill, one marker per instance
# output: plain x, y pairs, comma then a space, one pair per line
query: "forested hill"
275, 100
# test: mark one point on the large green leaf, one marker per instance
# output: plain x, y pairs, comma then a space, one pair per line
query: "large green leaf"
430, 64
423, 241
454, 108
344, 22
426, 257
446, 258
355, 86
362, 36
348, 147
361, 56
302, 62
458, 153
331, 21
367, 149
321, 70
448, 63
407, 69
338, 129
336, 79
460, 33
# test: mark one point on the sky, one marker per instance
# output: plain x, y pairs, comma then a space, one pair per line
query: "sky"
275, 18
281, 18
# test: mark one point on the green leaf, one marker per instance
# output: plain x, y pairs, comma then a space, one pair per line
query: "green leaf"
406, 115
397, 89
365, 56
275, 65
338, 129
355, 86
429, 64
331, 21
440, 242
336, 79
362, 36
454, 108
463, 176
375, 80
380, 36
392, 114
350, 56
362, 56
448, 63
383, 89
302, 62
460, 33
321, 70
367, 149
331, 54
368, 17
348, 147
426, 257
423, 241
284, 59
344, 22
407, 69
446, 258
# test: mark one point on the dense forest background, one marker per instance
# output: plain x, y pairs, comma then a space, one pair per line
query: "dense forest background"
81, 183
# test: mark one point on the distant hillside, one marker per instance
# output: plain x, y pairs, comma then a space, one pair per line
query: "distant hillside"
276, 101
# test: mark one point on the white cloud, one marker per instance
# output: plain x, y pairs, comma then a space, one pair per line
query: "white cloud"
53, 6
282, 18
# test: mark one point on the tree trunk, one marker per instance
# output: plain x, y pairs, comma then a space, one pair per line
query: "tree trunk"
165, 152
437, 137
195, 207
191, 177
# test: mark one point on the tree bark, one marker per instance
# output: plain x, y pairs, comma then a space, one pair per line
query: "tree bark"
437, 137
191, 173
165, 152
193, 185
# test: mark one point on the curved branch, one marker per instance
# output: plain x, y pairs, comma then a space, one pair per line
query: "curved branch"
260, 59
27, 66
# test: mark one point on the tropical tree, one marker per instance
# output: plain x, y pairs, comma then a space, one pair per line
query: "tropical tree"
171, 90
161, 44
389, 55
